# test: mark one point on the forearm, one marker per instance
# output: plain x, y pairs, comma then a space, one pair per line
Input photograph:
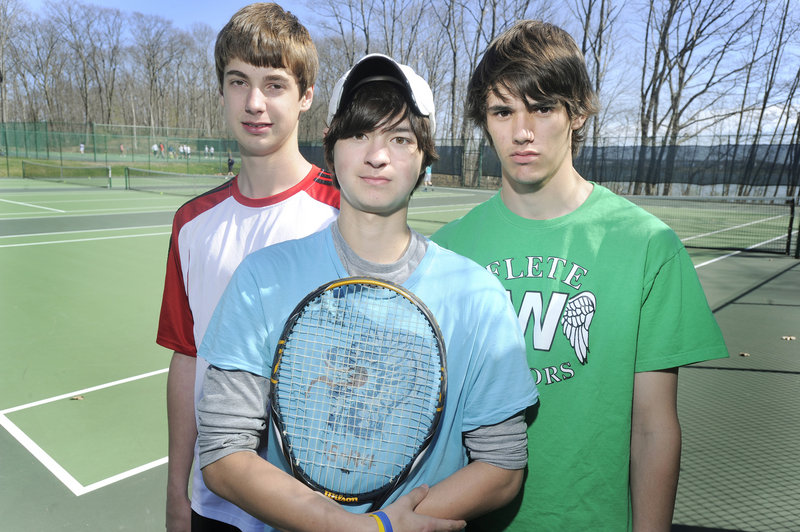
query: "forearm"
472, 491
276, 498
655, 454
181, 422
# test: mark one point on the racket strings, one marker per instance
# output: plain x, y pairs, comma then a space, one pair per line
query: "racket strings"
360, 378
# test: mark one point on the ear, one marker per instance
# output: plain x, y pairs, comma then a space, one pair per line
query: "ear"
221, 99
306, 99
578, 122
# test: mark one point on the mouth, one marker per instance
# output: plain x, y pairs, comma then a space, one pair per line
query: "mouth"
523, 157
256, 127
374, 179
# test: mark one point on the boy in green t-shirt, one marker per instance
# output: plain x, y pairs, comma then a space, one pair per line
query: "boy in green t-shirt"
607, 296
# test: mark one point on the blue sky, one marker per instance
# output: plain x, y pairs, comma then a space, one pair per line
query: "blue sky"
183, 13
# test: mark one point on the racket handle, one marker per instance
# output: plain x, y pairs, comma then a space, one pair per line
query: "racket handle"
384, 525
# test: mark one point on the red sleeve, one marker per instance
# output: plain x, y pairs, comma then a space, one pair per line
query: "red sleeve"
323, 189
176, 324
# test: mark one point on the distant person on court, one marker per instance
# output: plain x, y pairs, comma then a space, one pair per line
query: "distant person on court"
382, 121
277, 195
230, 164
608, 298
428, 182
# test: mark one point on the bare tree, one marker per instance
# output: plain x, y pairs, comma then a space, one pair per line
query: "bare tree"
76, 24
774, 59
105, 53
153, 52
351, 22
685, 49
10, 13
598, 19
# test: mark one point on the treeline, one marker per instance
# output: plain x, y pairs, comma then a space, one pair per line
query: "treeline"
664, 70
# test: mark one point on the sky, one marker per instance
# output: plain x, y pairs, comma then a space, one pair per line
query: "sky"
184, 13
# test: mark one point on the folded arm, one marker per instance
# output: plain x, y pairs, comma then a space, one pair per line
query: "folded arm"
498, 455
232, 416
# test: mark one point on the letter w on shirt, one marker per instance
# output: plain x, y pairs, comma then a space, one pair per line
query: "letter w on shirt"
545, 324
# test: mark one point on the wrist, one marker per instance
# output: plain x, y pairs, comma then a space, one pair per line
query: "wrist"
382, 520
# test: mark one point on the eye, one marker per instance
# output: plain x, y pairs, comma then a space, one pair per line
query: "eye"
501, 113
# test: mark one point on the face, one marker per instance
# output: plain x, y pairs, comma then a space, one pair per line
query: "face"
534, 147
378, 170
262, 107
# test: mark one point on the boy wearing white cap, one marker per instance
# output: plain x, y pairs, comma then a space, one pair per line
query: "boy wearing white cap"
380, 138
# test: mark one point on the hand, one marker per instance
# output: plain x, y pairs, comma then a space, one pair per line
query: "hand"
179, 513
401, 514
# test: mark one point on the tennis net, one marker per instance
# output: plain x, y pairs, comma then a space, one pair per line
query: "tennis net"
727, 222
170, 182
90, 176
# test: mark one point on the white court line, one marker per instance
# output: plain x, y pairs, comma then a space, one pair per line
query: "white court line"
712, 261
77, 231
31, 205
94, 212
736, 227
73, 240
81, 392
416, 210
54, 467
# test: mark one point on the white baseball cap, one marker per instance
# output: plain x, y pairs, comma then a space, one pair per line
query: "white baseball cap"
379, 67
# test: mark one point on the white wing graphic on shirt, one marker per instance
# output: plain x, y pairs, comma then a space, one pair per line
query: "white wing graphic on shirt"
575, 323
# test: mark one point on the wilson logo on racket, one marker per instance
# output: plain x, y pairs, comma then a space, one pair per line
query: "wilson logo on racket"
358, 386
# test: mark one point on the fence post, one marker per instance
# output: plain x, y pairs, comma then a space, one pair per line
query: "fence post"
5, 142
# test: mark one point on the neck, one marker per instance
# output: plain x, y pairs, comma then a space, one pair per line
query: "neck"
556, 198
376, 238
266, 175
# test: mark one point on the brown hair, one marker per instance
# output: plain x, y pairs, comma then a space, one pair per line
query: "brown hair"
264, 35
536, 62
377, 105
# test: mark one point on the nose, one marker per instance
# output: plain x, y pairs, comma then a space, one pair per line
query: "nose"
523, 129
256, 102
377, 154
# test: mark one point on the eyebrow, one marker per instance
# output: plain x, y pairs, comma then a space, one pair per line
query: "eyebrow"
498, 107
270, 77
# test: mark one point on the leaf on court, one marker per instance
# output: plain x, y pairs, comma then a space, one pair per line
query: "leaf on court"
788, 338
744, 354
77, 398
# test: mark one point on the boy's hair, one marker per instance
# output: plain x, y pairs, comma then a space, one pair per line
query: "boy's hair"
536, 62
264, 35
378, 105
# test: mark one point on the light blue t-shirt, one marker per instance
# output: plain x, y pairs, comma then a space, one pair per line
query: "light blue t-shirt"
488, 379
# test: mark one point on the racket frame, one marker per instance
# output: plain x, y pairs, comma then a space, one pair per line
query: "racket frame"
379, 495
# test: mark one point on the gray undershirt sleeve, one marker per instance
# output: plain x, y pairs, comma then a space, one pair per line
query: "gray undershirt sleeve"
503, 445
231, 414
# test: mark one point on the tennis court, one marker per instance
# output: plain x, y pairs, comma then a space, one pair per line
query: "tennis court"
82, 394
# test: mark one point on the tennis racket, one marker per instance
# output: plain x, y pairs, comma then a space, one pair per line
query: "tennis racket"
358, 387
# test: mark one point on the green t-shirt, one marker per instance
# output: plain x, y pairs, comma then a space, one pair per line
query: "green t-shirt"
601, 293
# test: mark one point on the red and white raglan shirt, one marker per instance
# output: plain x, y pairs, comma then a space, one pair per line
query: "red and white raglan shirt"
211, 234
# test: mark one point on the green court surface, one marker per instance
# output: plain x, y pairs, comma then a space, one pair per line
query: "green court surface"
82, 392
